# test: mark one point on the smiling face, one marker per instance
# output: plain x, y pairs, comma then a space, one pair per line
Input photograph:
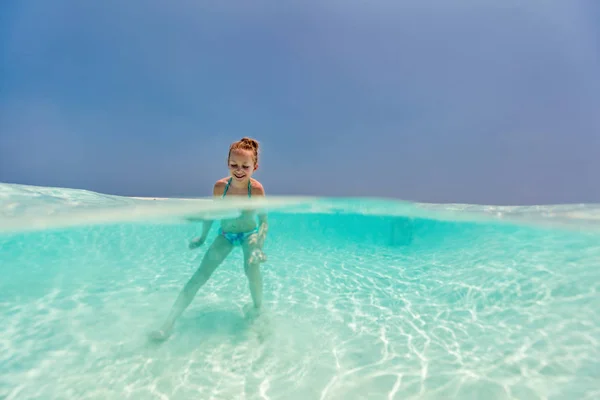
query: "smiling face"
241, 164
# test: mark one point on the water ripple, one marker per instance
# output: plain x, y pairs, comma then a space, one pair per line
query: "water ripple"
489, 312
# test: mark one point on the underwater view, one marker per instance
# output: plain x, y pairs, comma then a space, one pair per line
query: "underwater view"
364, 298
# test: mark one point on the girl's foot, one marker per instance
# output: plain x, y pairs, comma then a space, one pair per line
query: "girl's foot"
251, 312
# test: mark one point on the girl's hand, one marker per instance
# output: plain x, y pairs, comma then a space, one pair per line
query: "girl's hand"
257, 256
197, 242
257, 240
253, 241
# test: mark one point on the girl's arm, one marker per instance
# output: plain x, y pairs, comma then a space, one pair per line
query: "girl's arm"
218, 189
263, 223
263, 228
207, 223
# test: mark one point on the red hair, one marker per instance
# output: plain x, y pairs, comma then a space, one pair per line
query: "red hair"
245, 144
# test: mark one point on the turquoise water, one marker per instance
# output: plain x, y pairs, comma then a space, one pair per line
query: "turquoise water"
364, 299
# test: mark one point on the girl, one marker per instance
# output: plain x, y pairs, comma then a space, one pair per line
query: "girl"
241, 231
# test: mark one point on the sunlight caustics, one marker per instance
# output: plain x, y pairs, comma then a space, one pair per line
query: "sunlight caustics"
364, 298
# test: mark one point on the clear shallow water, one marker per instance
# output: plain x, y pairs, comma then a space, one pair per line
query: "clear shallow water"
364, 298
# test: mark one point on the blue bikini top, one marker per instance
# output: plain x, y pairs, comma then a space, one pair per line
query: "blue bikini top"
229, 183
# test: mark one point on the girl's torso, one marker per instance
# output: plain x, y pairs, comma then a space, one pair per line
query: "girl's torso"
246, 221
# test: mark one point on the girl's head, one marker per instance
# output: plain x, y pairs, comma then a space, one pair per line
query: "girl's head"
243, 158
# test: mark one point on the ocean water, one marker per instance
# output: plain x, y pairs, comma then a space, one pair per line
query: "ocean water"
364, 299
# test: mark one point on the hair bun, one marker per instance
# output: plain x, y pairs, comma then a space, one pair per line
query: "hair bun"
250, 141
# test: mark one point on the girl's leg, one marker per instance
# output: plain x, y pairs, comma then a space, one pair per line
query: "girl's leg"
215, 255
252, 268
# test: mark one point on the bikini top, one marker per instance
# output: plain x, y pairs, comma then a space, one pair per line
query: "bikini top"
229, 182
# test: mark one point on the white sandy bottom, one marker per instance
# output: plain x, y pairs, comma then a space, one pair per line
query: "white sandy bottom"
496, 317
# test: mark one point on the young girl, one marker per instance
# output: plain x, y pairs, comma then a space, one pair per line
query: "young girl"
241, 231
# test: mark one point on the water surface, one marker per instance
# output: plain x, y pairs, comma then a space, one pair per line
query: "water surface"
364, 298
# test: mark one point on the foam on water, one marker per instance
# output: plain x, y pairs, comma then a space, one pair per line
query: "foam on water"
364, 298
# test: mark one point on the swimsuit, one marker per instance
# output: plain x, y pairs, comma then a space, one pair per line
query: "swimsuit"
237, 238
229, 183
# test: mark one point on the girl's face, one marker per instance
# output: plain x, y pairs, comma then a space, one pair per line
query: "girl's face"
241, 164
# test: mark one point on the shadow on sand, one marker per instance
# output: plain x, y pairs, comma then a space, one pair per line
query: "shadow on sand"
222, 324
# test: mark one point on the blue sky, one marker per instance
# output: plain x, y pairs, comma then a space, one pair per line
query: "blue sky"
465, 101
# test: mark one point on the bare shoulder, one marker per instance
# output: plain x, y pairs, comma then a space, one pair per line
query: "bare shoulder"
219, 187
257, 187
